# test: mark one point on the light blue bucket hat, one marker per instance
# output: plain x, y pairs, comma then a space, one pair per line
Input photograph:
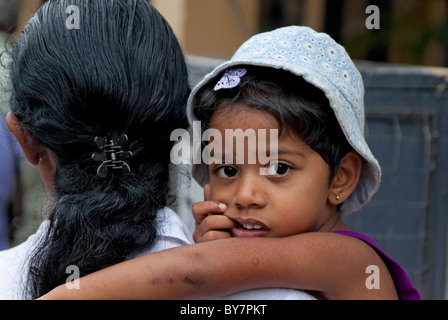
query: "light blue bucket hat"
323, 63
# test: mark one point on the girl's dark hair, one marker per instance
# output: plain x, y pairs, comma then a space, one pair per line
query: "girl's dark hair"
121, 72
298, 106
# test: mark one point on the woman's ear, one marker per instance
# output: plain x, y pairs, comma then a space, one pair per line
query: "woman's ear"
346, 178
30, 146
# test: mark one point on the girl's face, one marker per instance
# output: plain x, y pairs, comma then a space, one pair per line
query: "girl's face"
292, 198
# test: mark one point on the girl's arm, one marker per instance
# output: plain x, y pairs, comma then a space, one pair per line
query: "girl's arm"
331, 264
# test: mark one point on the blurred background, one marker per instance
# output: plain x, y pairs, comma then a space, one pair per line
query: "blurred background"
403, 62
411, 31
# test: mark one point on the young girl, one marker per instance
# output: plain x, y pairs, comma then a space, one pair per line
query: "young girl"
303, 86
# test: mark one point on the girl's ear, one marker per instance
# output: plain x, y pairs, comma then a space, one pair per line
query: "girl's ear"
30, 146
346, 178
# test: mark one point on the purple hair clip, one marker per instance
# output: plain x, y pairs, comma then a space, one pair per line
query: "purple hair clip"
230, 79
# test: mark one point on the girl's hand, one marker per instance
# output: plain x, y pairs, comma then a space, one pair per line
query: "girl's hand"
211, 224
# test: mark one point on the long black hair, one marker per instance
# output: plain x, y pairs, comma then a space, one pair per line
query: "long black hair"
121, 72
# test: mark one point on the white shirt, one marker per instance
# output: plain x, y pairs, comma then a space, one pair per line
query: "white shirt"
172, 232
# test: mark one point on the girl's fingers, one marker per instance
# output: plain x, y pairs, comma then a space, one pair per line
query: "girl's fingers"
214, 235
211, 224
205, 208
207, 192
212, 227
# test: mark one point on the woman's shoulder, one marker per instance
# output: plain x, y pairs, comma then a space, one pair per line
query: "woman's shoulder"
171, 232
20, 251
13, 265
171, 225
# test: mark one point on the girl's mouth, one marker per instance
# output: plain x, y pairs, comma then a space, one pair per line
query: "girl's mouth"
249, 228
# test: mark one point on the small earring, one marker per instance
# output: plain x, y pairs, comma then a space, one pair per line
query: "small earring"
337, 198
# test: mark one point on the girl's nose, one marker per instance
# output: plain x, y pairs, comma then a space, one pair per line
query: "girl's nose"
250, 193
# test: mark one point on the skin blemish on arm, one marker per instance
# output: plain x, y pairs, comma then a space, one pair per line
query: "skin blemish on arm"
198, 256
193, 282
158, 281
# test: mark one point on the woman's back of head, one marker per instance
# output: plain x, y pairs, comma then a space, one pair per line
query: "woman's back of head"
121, 73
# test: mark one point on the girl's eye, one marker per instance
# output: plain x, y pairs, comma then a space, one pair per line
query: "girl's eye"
227, 172
278, 169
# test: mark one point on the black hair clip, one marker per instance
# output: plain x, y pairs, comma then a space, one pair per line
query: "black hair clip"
112, 155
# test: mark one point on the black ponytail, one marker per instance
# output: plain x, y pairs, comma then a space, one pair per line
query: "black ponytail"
121, 72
